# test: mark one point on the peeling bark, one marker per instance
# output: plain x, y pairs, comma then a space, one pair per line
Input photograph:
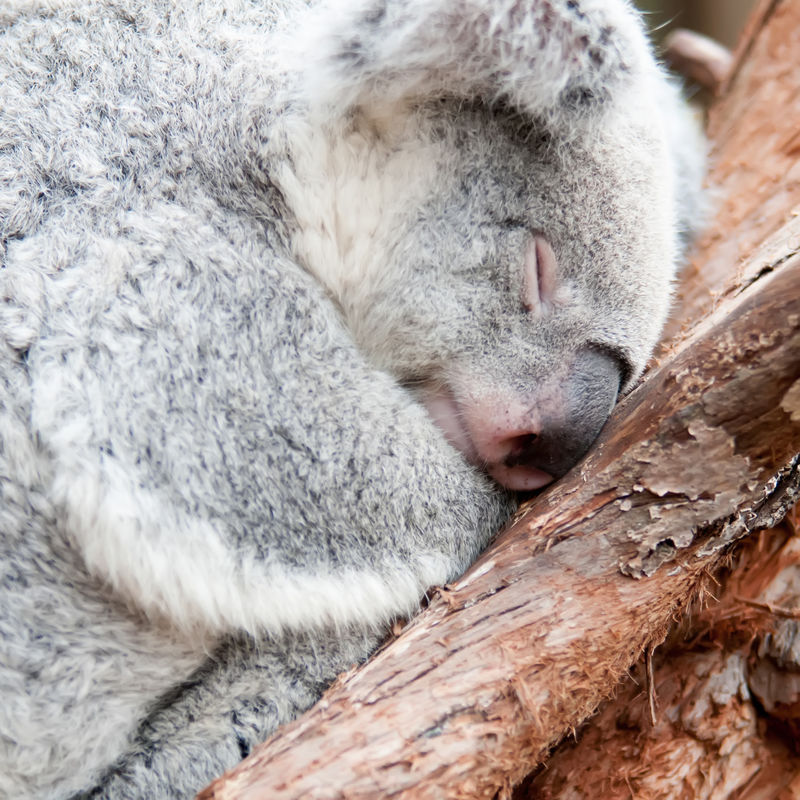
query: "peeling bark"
523, 648
728, 695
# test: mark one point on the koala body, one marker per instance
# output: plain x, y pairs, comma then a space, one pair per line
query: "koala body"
293, 295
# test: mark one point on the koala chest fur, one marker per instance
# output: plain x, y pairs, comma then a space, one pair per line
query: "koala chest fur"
295, 296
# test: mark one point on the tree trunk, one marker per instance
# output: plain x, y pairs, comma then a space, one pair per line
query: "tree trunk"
755, 176
477, 688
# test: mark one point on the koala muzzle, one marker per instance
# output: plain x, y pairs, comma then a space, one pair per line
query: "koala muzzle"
527, 440
566, 420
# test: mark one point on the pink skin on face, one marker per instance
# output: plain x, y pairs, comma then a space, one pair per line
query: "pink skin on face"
539, 276
489, 434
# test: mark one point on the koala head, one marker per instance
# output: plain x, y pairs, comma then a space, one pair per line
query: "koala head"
506, 255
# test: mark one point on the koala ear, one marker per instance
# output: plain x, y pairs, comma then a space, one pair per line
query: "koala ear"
542, 56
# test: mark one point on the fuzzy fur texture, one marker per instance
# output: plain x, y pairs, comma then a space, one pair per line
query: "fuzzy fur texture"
244, 244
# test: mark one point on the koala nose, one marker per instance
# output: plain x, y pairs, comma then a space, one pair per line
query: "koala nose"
525, 443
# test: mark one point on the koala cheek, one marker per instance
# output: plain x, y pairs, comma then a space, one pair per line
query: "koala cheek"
444, 411
527, 440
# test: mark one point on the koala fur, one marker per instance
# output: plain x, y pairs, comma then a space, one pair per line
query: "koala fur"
281, 282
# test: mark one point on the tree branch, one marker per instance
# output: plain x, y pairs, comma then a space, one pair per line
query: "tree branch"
728, 700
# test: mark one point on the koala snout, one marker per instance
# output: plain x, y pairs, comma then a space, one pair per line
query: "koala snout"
561, 421
527, 440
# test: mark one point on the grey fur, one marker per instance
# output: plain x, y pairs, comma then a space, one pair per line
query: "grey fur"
244, 244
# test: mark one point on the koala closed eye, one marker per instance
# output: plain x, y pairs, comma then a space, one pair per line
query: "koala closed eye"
310, 291
540, 285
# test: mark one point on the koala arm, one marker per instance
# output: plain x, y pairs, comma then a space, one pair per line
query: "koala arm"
227, 460
547, 57
233, 467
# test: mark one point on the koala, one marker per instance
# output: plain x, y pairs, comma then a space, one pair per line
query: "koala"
296, 297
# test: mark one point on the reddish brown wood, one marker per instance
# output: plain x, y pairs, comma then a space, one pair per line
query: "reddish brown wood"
755, 158
727, 693
700, 59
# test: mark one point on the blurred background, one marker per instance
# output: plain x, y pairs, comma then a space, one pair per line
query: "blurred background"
720, 19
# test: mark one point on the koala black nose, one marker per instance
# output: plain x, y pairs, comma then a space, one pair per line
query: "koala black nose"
569, 417
525, 440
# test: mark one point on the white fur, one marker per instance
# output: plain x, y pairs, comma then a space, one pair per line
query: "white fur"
171, 565
509, 47
348, 185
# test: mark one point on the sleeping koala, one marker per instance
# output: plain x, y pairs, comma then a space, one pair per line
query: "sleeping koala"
295, 295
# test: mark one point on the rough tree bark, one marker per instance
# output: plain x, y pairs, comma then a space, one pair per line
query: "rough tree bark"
725, 694
477, 688
755, 177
